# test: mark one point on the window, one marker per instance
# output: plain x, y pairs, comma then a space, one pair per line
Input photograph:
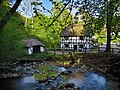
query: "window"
66, 45
81, 46
61, 39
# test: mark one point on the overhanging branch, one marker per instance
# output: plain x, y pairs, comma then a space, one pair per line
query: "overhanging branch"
59, 14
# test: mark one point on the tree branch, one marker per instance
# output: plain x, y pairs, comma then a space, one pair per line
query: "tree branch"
59, 14
9, 14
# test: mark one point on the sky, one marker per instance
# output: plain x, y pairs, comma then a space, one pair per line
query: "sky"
27, 10
47, 4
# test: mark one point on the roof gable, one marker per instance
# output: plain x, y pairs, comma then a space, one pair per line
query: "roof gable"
32, 42
73, 30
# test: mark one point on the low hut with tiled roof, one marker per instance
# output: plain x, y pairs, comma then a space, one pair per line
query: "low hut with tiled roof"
33, 46
73, 38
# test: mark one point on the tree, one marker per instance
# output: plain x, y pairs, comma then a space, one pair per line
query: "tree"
112, 6
115, 26
96, 18
59, 8
103, 12
108, 26
88, 23
10, 38
51, 35
61, 18
6, 18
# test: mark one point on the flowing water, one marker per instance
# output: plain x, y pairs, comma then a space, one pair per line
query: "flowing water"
85, 81
90, 81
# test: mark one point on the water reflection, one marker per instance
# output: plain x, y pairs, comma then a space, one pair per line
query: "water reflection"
90, 81
94, 81
30, 79
22, 83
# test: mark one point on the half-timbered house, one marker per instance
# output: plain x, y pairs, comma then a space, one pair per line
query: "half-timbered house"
72, 41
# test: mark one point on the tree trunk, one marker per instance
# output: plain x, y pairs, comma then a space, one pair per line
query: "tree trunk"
6, 18
108, 26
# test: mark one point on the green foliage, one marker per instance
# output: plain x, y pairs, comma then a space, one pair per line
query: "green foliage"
3, 11
10, 38
91, 15
49, 35
94, 15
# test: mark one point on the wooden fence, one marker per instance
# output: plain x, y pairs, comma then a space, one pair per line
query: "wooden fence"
84, 50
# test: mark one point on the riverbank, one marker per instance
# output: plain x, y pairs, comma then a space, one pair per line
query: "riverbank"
100, 63
106, 64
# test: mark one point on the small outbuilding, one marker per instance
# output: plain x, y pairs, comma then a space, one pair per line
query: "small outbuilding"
33, 46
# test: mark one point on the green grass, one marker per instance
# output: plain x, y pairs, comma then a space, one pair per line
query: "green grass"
41, 55
45, 71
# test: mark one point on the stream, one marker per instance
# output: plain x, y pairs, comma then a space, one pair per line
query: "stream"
63, 79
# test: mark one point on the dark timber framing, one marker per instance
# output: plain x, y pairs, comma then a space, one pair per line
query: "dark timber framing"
70, 41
